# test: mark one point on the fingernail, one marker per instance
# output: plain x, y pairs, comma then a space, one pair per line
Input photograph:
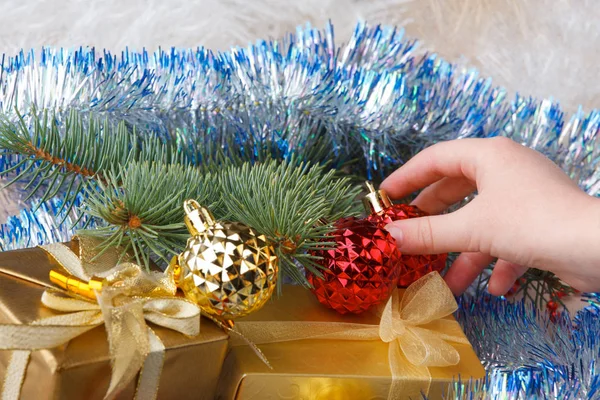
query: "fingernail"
396, 233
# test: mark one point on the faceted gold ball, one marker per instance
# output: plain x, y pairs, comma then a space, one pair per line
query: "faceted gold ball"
228, 270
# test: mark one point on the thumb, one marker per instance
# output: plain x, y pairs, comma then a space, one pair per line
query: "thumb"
433, 234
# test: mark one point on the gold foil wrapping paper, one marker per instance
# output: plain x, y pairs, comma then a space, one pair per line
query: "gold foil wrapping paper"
325, 369
81, 369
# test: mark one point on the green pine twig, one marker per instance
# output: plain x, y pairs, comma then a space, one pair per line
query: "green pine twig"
136, 185
538, 286
284, 201
56, 155
142, 207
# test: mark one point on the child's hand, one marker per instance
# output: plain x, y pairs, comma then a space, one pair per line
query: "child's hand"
528, 213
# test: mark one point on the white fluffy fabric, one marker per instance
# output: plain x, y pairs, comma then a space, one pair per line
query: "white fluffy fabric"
542, 48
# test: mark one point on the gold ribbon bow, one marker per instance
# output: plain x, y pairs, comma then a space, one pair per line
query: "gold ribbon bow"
415, 327
129, 297
418, 333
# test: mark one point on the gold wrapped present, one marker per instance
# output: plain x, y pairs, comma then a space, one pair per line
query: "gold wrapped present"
184, 367
412, 346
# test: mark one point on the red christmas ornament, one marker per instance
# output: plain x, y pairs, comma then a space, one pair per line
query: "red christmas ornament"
361, 271
382, 212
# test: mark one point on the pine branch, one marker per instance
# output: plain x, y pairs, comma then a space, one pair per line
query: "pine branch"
55, 154
137, 185
285, 202
203, 150
542, 287
539, 287
142, 205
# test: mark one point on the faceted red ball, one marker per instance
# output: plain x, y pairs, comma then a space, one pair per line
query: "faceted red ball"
361, 271
413, 266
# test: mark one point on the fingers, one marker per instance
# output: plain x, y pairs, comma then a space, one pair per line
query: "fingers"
452, 159
434, 235
465, 269
442, 194
504, 276
468, 266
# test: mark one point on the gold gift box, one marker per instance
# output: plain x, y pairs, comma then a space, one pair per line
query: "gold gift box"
81, 369
324, 369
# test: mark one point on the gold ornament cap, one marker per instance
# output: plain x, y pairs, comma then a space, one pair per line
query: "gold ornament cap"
376, 200
197, 218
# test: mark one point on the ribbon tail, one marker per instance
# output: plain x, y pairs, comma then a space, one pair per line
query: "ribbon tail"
253, 346
148, 382
396, 386
128, 342
37, 337
15, 374
408, 381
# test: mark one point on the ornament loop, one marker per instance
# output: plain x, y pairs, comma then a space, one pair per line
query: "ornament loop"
197, 218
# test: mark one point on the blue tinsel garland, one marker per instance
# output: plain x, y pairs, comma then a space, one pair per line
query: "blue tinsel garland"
375, 98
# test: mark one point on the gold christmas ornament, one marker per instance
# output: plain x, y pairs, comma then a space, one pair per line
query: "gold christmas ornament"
227, 268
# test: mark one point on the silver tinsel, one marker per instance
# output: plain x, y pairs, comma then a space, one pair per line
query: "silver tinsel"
527, 355
375, 99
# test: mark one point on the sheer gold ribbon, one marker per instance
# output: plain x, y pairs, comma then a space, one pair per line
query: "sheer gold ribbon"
128, 299
414, 326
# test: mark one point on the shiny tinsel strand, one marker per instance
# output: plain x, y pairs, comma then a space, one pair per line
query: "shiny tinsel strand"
375, 98
593, 301
529, 356
41, 225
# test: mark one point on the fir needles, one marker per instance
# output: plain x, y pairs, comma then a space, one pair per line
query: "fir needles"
61, 156
134, 186
141, 206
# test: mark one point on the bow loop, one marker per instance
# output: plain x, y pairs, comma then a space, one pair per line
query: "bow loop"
89, 262
423, 347
417, 323
177, 314
61, 301
427, 299
132, 281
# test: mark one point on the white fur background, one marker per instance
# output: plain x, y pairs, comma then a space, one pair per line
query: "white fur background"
537, 47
